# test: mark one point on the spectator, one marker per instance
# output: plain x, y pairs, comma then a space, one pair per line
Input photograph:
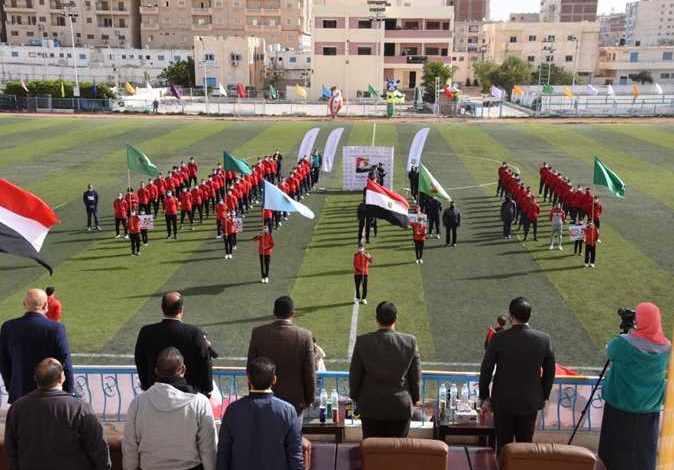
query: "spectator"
50, 428
169, 426
291, 349
171, 331
384, 377
520, 390
451, 219
508, 215
53, 305
319, 357
25, 341
260, 431
633, 393
90, 201
492, 330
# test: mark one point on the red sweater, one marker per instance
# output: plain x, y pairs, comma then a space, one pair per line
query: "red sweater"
418, 232
120, 208
170, 205
134, 224
361, 262
591, 235
53, 308
265, 244
186, 201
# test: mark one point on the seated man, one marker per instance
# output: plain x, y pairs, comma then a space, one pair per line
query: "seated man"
50, 428
260, 431
170, 426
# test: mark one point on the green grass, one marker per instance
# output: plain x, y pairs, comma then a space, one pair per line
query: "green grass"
447, 303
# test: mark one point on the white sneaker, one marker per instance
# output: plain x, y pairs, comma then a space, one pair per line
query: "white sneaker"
592, 265
262, 280
417, 261
561, 248
551, 247
117, 236
266, 280
88, 229
363, 301
356, 300
437, 236
421, 261
586, 265
145, 244
218, 237
126, 237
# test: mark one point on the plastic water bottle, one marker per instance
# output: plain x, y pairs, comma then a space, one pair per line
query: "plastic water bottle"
453, 397
442, 401
465, 394
334, 399
323, 403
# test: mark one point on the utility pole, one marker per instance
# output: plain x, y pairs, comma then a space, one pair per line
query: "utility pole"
69, 12
378, 9
203, 63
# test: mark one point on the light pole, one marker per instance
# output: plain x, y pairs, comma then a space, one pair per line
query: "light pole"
68, 12
575, 61
378, 10
203, 63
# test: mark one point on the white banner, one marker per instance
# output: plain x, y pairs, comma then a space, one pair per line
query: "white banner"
331, 149
577, 232
307, 145
358, 161
146, 222
417, 148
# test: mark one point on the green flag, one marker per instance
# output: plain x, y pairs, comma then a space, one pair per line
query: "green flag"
372, 91
139, 162
429, 185
603, 176
232, 163
273, 93
548, 89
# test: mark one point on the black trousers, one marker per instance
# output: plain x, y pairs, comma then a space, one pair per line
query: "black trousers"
197, 208
511, 428
540, 186
264, 265
419, 249
507, 228
188, 213
578, 247
434, 222
119, 222
135, 242
229, 243
499, 186
92, 213
590, 253
628, 440
360, 279
144, 207
193, 180
143, 235
385, 428
450, 235
172, 223
530, 224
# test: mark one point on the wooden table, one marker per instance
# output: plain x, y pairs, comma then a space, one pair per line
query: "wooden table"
315, 427
484, 430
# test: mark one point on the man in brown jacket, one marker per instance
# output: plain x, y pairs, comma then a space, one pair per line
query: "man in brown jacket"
291, 348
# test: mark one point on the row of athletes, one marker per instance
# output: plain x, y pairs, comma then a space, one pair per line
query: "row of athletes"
579, 203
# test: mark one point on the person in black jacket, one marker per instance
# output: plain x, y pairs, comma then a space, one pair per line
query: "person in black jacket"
433, 211
519, 353
51, 428
188, 339
451, 219
90, 201
413, 176
508, 215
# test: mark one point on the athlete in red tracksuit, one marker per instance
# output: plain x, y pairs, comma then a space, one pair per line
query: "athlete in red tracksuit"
361, 264
419, 236
192, 170
120, 208
230, 234
154, 197
171, 205
220, 213
131, 201
591, 238
134, 233
197, 203
143, 198
265, 244
186, 207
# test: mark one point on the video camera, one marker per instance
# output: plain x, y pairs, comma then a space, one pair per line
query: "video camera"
627, 318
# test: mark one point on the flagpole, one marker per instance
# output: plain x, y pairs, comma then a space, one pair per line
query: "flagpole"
128, 177
374, 131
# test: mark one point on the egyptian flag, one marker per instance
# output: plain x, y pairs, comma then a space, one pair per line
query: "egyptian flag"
384, 204
25, 221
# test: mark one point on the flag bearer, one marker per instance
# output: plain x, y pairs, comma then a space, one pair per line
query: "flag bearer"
265, 244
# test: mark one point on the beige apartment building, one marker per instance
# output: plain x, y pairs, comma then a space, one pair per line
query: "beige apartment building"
173, 23
616, 64
351, 51
229, 61
567, 11
113, 23
572, 46
650, 23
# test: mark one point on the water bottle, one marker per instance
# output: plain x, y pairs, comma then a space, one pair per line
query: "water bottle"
465, 394
322, 411
334, 399
442, 401
453, 396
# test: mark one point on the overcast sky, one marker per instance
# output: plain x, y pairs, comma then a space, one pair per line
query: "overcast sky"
500, 9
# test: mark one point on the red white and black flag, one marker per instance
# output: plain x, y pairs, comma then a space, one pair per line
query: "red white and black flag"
382, 203
25, 221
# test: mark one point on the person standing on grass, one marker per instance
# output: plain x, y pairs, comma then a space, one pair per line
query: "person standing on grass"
153, 198
186, 207
90, 201
451, 219
557, 218
229, 231
220, 213
131, 201
433, 210
197, 203
143, 231
171, 215
578, 243
419, 236
143, 197
361, 264
265, 244
53, 305
134, 233
532, 212
591, 237
508, 214
119, 208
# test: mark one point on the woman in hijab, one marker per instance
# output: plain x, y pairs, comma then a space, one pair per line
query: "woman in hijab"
634, 392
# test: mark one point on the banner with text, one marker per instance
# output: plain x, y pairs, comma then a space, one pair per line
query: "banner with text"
417, 148
331, 149
308, 143
359, 161
146, 222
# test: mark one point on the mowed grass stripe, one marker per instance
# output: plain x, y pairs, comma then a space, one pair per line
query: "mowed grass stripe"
646, 177
25, 125
646, 133
624, 276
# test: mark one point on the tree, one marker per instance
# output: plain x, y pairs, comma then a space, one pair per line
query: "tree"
558, 76
484, 71
642, 77
431, 71
53, 88
179, 73
511, 72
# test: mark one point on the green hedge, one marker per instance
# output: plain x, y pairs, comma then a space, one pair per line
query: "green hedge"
53, 87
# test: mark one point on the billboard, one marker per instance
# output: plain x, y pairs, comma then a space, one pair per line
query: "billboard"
358, 161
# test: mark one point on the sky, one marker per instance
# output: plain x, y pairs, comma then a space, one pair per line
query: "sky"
500, 9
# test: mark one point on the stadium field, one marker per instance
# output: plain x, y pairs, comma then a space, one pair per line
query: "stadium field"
448, 302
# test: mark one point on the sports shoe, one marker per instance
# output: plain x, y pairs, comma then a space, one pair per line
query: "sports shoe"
117, 236
218, 237
561, 247
168, 237
126, 237
98, 229
363, 301
551, 247
438, 236
592, 265
453, 244
262, 280
88, 229
266, 280
586, 265
421, 261
145, 244
417, 261
356, 300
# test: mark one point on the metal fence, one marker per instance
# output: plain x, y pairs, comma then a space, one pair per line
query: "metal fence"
109, 390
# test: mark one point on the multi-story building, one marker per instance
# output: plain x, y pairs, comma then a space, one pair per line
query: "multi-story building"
111, 65
471, 10
616, 64
113, 23
229, 61
468, 36
571, 46
525, 17
611, 29
650, 23
284, 68
567, 11
173, 23
352, 51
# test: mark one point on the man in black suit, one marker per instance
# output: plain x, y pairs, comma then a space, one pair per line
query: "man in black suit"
384, 377
291, 348
26, 341
188, 339
520, 390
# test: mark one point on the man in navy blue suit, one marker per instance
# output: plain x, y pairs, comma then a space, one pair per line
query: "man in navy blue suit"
26, 340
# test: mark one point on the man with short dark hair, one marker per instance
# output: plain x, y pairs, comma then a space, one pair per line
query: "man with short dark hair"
171, 331
260, 430
53, 304
90, 201
520, 390
291, 348
384, 377
169, 426
50, 428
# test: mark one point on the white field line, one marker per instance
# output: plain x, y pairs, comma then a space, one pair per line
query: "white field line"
353, 332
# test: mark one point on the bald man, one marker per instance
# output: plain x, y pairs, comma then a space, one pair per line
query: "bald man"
50, 428
26, 340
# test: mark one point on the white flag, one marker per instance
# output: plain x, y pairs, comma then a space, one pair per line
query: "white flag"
148, 86
308, 143
23, 85
331, 149
417, 148
222, 90
610, 91
658, 89
591, 90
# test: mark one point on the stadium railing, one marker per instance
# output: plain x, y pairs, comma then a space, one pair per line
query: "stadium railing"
109, 390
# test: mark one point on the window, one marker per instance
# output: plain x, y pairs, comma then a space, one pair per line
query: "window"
122, 23
83, 57
571, 37
160, 57
445, 25
433, 25
29, 33
443, 52
411, 25
550, 38
364, 50
634, 57
330, 24
568, 58
432, 51
43, 19
177, 58
90, 36
667, 55
364, 24
329, 50
107, 22
308, 60
531, 58
532, 37
292, 60
89, 20
15, 53
665, 75
549, 58
60, 21
513, 39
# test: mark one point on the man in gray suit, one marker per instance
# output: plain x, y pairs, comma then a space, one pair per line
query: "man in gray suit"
291, 348
384, 377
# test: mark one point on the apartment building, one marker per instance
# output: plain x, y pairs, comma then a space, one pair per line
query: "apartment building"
173, 23
650, 23
615, 64
525, 17
230, 61
352, 51
113, 23
611, 29
567, 11
471, 10
571, 46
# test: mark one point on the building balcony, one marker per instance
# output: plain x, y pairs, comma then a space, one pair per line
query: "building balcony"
149, 10
417, 33
13, 6
196, 10
149, 26
263, 27
54, 5
263, 11
202, 27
